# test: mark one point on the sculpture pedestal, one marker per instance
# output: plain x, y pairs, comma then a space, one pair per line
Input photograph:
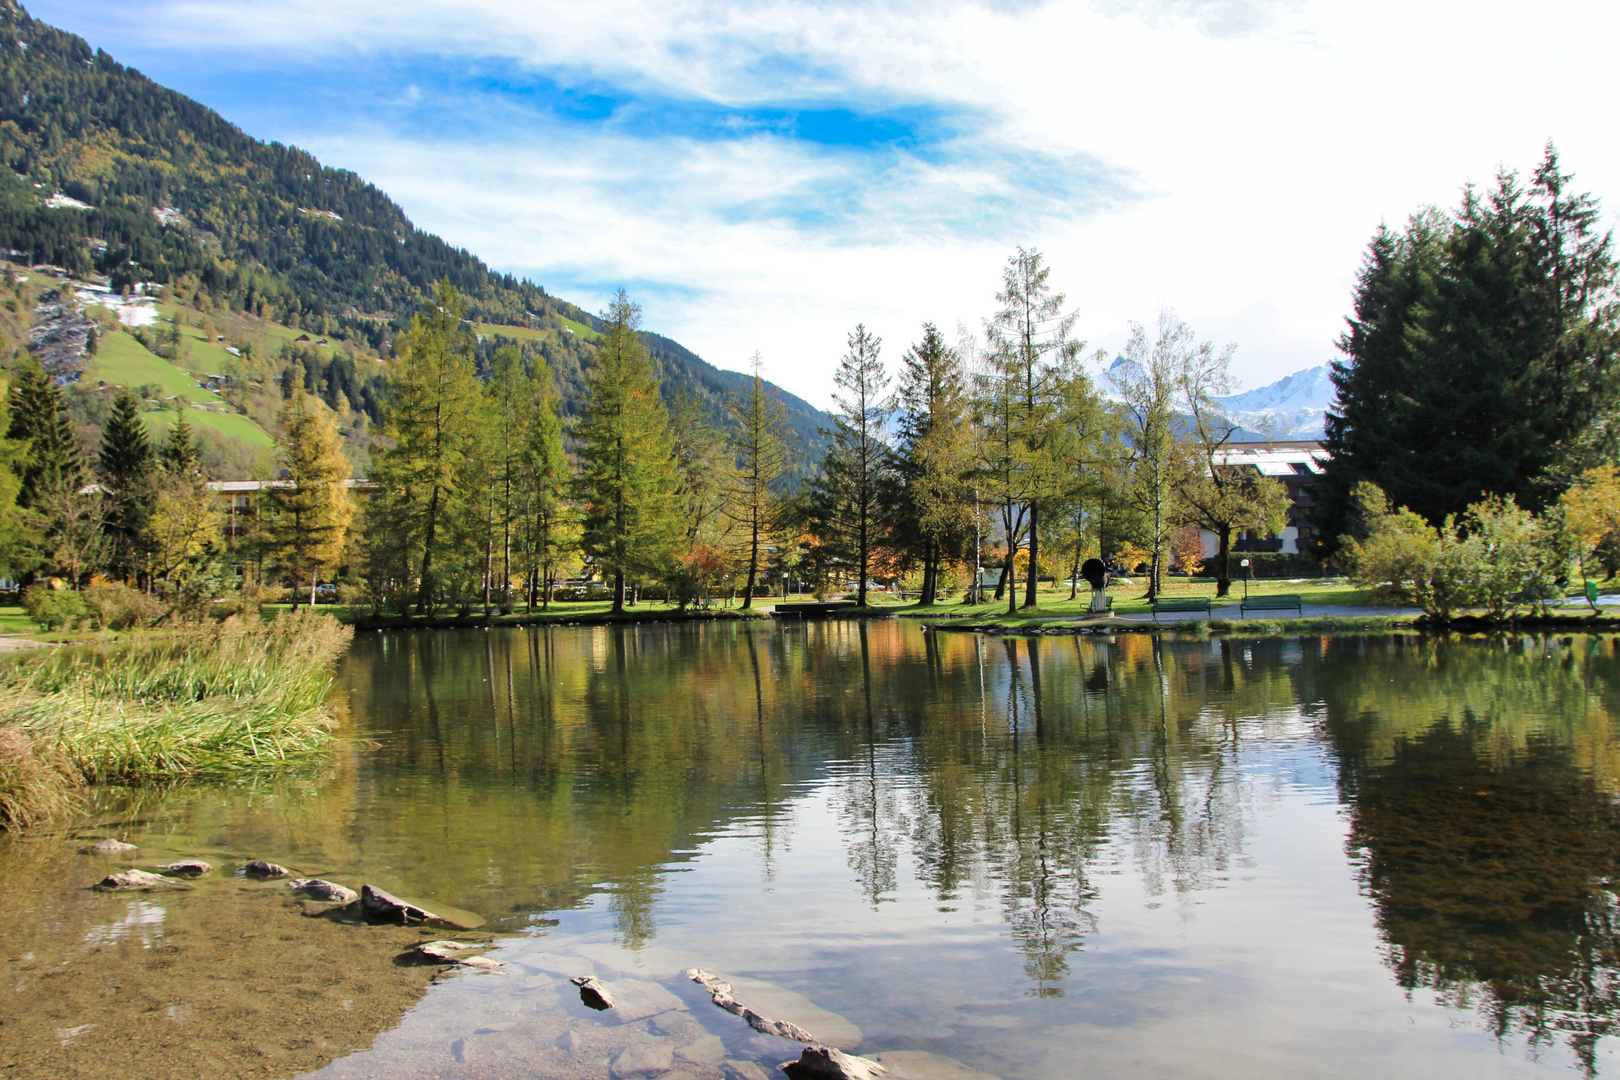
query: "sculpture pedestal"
1099, 600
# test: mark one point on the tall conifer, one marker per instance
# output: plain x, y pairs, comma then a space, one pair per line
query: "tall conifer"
128, 471
629, 481
759, 444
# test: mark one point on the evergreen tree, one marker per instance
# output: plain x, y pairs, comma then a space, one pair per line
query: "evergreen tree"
700, 451
180, 454
1480, 356
857, 470
310, 507
16, 533
39, 420
128, 471
629, 479
934, 516
759, 444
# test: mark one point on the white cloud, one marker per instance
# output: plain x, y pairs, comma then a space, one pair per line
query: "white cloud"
1263, 142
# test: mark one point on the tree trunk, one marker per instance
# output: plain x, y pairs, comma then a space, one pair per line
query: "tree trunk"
753, 566
1033, 585
425, 588
618, 591
1223, 562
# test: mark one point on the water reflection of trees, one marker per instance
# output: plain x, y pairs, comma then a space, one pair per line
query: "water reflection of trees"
1481, 780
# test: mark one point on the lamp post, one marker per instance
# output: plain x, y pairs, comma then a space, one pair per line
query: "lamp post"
1248, 574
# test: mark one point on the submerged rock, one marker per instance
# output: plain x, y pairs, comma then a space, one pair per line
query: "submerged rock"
921, 1065
385, 905
260, 869
828, 1063
642, 1059
721, 992
743, 1070
109, 846
138, 879
450, 951
592, 993
188, 868
325, 891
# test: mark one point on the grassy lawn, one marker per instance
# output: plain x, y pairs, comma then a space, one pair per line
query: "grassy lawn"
14, 620
1055, 602
524, 333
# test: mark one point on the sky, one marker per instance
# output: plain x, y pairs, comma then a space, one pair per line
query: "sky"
764, 176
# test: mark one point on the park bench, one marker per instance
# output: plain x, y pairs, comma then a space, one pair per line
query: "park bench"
1277, 602
1181, 604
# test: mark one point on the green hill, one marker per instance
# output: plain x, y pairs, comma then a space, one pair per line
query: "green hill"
174, 195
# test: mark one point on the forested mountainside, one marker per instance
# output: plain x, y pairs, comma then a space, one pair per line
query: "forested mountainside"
110, 174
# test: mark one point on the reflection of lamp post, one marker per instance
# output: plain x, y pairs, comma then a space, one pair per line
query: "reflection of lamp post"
1248, 573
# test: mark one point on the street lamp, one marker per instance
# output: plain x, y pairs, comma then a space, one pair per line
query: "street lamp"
1247, 575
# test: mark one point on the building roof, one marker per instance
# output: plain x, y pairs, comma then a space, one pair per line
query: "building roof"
1276, 458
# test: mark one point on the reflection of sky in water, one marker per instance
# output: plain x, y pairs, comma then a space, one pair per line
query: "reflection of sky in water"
142, 921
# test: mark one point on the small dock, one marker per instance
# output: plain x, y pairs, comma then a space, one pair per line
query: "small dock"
827, 609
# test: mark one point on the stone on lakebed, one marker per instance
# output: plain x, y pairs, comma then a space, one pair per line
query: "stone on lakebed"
188, 868
138, 879
109, 846
260, 869
317, 889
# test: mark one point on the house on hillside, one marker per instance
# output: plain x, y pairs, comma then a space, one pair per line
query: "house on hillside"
1298, 464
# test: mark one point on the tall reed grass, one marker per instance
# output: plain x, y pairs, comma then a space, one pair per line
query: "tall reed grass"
219, 701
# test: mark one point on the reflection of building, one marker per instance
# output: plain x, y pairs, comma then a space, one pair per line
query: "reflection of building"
1298, 465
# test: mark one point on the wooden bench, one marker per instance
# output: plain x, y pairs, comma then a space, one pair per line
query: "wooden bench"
1181, 605
1278, 602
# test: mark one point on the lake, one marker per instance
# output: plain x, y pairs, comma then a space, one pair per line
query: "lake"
1089, 856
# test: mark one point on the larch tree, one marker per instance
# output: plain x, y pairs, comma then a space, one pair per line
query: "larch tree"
429, 416
545, 474
185, 528
629, 480
857, 469
310, 505
759, 445
1032, 353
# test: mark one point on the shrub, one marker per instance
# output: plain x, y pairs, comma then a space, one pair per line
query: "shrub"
119, 607
52, 608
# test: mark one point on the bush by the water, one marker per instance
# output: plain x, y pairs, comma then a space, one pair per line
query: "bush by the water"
53, 609
216, 701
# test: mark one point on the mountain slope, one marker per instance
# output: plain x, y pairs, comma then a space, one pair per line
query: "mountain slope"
1292, 408
110, 174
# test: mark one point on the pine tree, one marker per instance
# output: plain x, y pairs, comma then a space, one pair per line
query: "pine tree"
128, 471
310, 507
629, 481
857, 470
759, 444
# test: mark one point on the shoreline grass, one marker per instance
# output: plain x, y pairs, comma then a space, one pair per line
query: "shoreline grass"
219, 701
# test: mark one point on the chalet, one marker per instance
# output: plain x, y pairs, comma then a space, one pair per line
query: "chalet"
1298, 465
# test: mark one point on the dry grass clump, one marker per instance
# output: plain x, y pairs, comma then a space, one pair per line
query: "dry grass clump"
35, 786
218, 701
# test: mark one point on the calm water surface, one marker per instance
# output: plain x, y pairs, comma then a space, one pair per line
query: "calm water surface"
1064, 857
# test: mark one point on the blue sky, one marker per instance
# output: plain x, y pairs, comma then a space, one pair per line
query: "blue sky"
766, 175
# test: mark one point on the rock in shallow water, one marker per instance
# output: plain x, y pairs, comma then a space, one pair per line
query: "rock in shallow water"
325, 891
641, 1059
828, 1063
385, 905
188, 868
921, 1065
450, 951
109, 847
138, 879
260, 869
592, 993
